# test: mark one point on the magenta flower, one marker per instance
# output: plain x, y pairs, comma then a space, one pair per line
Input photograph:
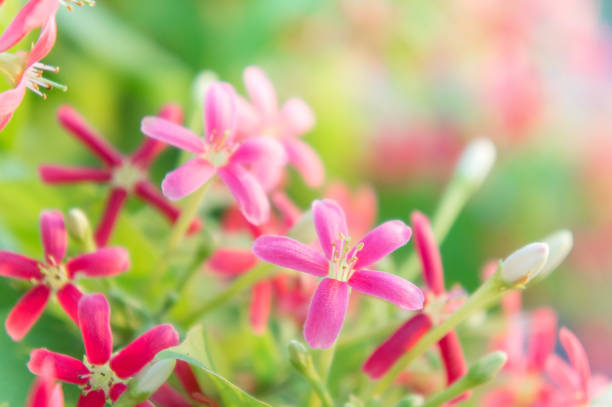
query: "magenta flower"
439, 304
53, 275
45, 392
101, 375
220, 153
264, 118
125, 175
23, 69
341, 267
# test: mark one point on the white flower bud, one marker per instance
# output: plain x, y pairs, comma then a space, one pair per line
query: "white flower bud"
77, 224
525, 263
476, 161
559, 244
152, 377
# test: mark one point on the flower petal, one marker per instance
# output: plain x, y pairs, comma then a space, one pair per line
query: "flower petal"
389, 287
263, 149
261, 91
259, 310
297, 117
113, 206
187, 378
34, 14
108, 261
429, 253
248, 192
187, 178
143, 349
577, 356
542, 338
220, 112
393, 348
95, 398
452, 357
53, 235
306, 161
17, 266
69, 297
57, 174
171, 133
117, 390
168, 397
232, 262
330, 223
381, 241
286, 252
10, 101
26, 312
94, 322
562, 374
326, 313
65, 368
44, 43
150, 148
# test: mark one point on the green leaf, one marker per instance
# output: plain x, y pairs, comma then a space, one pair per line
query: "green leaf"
193, 351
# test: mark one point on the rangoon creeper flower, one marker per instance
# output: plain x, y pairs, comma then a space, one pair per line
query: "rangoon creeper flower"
220, 153
263, 118
101, 375
341, 267
125, 175
45, 392
439, 304
53, 275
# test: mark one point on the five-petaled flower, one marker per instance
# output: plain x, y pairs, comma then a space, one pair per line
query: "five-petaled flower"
53, 275
439, 304
341, 267
102, 375
125, 175
220, 153
263, 118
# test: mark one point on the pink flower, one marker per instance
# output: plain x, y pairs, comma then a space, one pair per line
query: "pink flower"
103, 375
439, 304
263, 118
220, 153
45, 392
341, 267
574, 386
24, 69
125, 175
53, 275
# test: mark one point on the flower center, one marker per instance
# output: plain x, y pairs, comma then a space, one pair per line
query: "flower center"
341, 265
68, 3
101, 377
220, 150
127, 175
12, 67
54, 276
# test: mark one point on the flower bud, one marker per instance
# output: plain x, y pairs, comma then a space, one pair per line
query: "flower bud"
300, 357
200, 86
414, 400
486, 368
153, 376
476, 161
78, 226
525, 263
559, 244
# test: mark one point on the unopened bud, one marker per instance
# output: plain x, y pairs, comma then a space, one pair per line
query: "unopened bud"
79, 228
152, 377
476, 161
414, 400
300, 357
559, 244
525, 263
487, 368
201, 84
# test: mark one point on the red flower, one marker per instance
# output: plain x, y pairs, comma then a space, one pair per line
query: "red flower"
53, 275
125, 175
45, 392
101, 376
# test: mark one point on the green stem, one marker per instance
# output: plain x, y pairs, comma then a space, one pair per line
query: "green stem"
326, 359
487, 294
455, 390
321, 391
239, 284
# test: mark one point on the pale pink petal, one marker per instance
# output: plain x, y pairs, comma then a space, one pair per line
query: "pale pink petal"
10, 101
171, 133
108, 261
53, 235
17, 266
306, 161
259, 149
248, 121
270, 174
297, 117
117, 390
57, 397
78, 126
65, 368
261, 91
69, 297
326, 313
577, 356
248, 192
168, 397
330, 224
26, 312
115, 202
286, 252
389, 287
499, 398
542, 338
44, 44
381, 241
452, 357
33, 15
232, 262
562, 374
143, 349
429, 253
259, 310
187, 178
95, 398
94, 322
220, 112
393, 348
57, 174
